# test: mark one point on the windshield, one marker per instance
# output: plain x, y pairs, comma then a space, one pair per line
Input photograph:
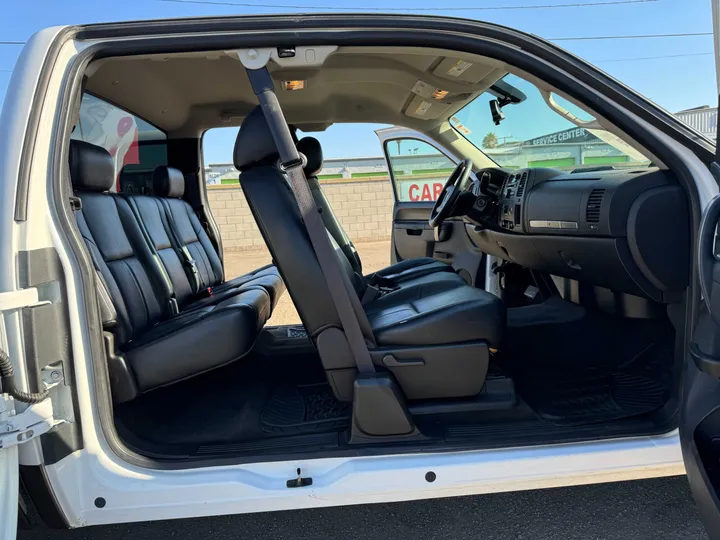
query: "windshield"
532, 134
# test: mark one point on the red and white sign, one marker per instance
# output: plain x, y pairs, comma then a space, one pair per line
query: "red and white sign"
112, 128
425, 190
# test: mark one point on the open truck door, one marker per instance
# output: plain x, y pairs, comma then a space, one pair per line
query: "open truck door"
700, 410
418, 168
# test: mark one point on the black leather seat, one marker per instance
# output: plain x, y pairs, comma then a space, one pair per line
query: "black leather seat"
201, 263
434, 333
436, 311
151, 342
393, 275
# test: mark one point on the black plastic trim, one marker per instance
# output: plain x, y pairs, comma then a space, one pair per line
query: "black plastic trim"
47, 339
511, 46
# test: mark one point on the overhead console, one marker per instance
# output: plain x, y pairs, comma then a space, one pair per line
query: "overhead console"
624, 230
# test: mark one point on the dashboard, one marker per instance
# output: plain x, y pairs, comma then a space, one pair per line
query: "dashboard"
625, 230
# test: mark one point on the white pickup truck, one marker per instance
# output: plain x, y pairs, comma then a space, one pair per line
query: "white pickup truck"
551, 316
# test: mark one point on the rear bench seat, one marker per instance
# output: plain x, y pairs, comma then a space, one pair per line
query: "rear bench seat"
191, 241
157, 335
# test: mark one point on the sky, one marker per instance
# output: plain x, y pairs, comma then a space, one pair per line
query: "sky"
683, 78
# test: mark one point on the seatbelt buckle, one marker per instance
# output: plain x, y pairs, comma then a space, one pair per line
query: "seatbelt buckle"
189, 259
194, 269
381, 282
373, 292
192, 265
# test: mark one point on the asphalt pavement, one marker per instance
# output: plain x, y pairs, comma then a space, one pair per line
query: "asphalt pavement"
657, 509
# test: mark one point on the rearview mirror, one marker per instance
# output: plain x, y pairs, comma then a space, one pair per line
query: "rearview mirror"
496, 112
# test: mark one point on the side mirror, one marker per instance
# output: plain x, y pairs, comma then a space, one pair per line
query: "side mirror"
496, 112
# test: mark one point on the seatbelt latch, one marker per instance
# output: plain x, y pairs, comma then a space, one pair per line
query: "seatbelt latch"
192, 265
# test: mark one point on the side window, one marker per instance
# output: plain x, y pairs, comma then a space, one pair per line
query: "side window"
418, 170
217, 148
136, 146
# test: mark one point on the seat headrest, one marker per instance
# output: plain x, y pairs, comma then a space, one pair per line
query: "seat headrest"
311, 149
91, 167
168, 182
254, 144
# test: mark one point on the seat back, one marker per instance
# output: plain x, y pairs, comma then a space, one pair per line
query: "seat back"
153, 221
189, 234
312, 150
278, 217
134, 290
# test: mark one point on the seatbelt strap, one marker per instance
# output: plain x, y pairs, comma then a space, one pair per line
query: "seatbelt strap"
337, 281
184, 251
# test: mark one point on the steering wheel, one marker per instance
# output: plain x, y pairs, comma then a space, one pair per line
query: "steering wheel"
450, 193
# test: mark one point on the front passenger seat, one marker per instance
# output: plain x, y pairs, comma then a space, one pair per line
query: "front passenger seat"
434, 334
394, 275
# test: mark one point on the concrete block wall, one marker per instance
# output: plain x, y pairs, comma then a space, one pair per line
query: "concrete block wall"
363, 207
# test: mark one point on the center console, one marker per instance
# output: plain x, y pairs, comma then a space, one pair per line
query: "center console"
627, 230
511, 200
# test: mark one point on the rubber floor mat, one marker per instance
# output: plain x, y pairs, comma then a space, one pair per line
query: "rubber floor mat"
599, 393
600, 369
304, 409
600, 398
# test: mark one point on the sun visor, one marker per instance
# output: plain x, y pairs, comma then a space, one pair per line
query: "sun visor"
462, 70
425, 108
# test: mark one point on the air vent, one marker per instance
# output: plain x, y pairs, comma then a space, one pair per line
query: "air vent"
521, 185
592, 212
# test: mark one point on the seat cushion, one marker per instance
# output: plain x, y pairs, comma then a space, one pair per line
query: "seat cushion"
440, 310
267, 277
198, 340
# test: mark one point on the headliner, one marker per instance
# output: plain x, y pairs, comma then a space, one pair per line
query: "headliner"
185, 94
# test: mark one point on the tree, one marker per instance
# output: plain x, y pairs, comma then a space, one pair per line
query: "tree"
490, 140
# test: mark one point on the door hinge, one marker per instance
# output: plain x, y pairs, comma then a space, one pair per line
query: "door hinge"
19, 428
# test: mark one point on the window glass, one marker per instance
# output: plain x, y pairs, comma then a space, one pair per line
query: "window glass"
136, 146
419, 170
533, 134
217, 147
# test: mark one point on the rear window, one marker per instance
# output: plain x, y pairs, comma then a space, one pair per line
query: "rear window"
136, 146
